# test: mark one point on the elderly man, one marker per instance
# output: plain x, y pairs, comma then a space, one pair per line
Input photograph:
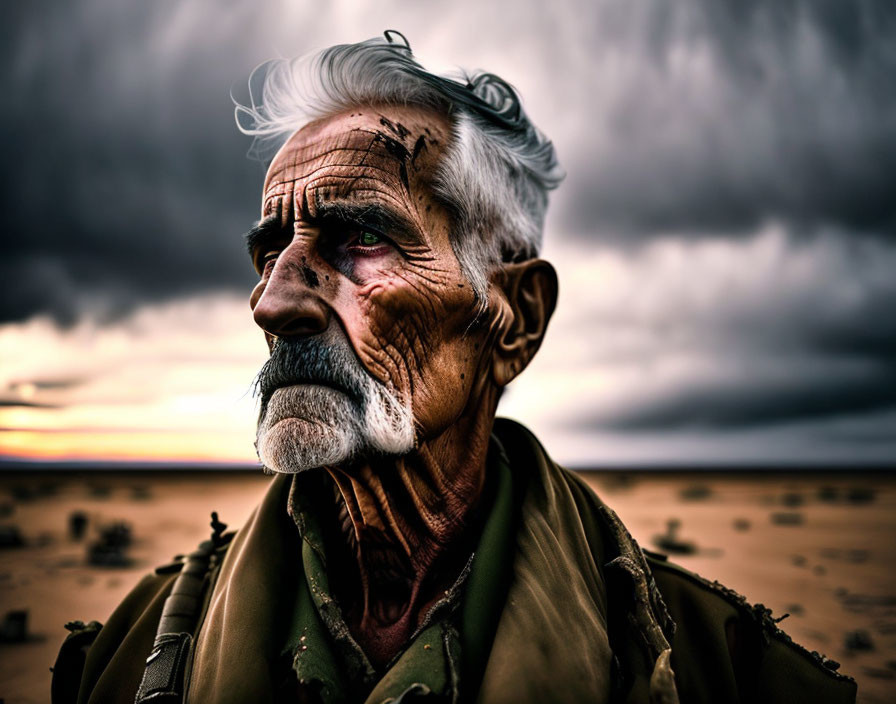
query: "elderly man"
410, 547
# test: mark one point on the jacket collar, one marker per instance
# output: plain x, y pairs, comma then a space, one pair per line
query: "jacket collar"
548, 610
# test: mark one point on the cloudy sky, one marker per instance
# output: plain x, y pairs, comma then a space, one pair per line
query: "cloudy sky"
725, 237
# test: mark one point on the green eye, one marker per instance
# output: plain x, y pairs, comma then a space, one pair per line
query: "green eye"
368, 239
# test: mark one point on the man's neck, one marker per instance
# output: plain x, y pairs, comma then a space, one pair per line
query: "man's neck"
408, 526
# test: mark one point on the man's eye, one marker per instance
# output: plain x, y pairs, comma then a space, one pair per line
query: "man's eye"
369, 239
267, 261
368, 243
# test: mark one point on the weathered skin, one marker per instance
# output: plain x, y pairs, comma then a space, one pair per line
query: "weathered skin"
411, 317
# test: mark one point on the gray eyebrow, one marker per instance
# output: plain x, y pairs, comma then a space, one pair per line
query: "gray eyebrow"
266, 233
372, 215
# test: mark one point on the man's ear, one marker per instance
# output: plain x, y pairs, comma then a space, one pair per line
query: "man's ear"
531, 290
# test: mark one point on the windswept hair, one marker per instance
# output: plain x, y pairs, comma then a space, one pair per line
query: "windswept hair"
496, 173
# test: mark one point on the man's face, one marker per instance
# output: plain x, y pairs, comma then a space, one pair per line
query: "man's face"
354, 254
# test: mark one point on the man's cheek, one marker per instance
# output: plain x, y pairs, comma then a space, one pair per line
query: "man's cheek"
442, 392
388, 336
365, 270
409, 321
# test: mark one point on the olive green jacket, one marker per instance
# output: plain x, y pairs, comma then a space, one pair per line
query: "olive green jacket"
558, 604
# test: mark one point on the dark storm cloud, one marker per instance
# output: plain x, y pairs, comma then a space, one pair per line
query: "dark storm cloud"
740, 334
124, 179
717, 121
833, 299
736, 113
748, 401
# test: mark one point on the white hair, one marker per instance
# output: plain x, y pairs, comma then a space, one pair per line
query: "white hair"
495, 174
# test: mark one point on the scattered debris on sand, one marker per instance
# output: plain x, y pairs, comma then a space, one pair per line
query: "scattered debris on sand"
858, 640
860, 495
99, 491
14, 627
792, 499
141, 492
828, 494
622, 481
77, 525
787, 518
855, 556
110, 550
879, 673
11, 537
856, 495
670, 542
853, 601
26, 492
23, 492
695, 492
741, 524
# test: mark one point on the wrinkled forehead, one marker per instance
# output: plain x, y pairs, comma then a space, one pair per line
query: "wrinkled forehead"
374, 151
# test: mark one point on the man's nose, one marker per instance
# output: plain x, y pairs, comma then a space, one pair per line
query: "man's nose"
288, 304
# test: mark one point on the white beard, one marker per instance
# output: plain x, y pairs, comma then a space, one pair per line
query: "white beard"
309, 425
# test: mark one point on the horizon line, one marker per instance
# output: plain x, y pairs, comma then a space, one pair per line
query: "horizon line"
12, 463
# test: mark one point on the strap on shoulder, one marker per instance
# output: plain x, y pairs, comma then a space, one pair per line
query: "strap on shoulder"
164, 677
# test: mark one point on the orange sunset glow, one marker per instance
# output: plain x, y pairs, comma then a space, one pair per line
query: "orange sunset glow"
171, 383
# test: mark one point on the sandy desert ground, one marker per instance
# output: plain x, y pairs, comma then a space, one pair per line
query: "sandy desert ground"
820, 547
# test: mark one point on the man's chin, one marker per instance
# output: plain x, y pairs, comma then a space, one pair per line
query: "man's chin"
305, 427
294, 444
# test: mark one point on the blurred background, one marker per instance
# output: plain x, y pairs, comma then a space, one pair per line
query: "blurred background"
725, 241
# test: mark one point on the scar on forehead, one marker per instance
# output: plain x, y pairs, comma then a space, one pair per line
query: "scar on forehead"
419, 146
395, 128
401, 154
